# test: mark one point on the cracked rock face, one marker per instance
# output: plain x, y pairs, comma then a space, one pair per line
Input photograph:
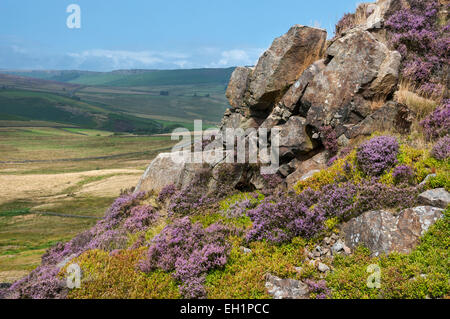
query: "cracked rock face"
282, 64
294, 139
361, 70
382, 232
237, 86
392, 116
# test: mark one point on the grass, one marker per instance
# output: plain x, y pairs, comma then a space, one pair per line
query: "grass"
42, 106
416, 101
14, 213
116, 101
24, 234
17, 144
139, 78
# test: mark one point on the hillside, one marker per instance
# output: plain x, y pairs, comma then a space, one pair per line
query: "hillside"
356, 206
26, 106
130, 78
136, 101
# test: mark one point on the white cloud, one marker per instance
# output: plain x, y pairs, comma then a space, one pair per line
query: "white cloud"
21, 57
120, 59
239, 57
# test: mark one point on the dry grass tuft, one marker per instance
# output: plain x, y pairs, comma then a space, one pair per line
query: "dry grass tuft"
361, 14
416, 101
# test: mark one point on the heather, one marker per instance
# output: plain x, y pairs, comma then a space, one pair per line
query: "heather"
377, 155
403, 174
42, 283
318, 289
139, 253
437, 124
329, 139
237, 205
141, 217
423, 42
106, 235
441, 150
189, 251
167, 192
282, 219
187, 200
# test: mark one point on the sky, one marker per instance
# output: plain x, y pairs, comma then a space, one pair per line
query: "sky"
152, 34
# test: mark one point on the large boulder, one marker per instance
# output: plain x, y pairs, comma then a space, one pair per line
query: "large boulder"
282, 64
177, 168
360, 72
383, 232
438, 197
161, 172
286, 288
237, 86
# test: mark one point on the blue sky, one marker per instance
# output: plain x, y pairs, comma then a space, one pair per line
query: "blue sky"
152, 34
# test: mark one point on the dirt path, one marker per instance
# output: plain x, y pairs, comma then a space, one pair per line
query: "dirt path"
19, 187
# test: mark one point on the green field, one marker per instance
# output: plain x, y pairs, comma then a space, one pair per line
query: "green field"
61, 170
29, 105
133, 101
130, 78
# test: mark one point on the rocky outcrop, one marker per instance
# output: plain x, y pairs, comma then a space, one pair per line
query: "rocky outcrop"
162, 171
435, 197
299, 85
289, 103
361, 71
330, 247
383, 232
282, 64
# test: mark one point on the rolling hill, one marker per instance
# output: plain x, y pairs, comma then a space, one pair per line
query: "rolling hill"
135, 101
130, 78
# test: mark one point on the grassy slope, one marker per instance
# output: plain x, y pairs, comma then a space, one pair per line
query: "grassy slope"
424, 273
134, 78
24, 235
30, 105
135, 95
